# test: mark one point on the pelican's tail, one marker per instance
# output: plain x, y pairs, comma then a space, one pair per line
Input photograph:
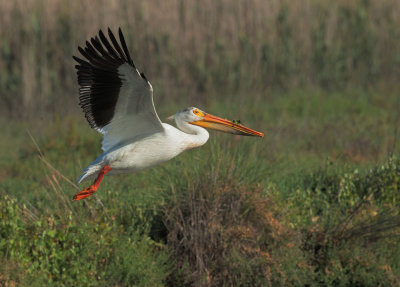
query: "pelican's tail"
90, 172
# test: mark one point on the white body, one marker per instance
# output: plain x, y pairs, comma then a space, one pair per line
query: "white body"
147, 151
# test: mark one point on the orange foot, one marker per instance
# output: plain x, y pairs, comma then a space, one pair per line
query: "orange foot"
92, 189
85, 193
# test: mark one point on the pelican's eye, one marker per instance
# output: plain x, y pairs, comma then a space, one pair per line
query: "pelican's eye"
198, 113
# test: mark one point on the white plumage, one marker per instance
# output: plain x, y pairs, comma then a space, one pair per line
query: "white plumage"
140, 153
118, 102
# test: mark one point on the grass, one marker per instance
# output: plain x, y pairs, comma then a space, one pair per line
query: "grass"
315, 202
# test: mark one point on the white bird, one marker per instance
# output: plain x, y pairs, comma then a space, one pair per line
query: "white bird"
118, 102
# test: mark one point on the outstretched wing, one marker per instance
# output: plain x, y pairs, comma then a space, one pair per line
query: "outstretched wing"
116, 98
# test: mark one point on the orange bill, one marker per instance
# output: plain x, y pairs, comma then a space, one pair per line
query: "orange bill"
223, 125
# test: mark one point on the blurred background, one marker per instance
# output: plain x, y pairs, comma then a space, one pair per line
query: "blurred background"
198, 51
314, 202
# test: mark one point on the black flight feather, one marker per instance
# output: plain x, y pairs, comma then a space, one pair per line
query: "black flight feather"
122, 40
98, 77
116, 45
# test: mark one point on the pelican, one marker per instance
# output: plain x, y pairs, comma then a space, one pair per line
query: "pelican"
117, 101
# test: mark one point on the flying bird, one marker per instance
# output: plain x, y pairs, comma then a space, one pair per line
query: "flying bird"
118, 102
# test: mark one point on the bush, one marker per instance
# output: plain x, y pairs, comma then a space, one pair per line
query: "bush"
75, 251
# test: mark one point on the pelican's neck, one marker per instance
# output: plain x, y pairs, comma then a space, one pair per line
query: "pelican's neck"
195, 136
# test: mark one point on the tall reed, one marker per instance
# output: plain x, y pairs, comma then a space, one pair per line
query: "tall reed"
190, 49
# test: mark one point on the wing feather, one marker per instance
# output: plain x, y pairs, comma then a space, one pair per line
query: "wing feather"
109, 48
122, 39
116, 45
116, 98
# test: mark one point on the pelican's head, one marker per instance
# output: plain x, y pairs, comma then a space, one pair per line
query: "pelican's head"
200, 118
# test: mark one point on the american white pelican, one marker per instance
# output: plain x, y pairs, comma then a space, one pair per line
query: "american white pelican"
118, 102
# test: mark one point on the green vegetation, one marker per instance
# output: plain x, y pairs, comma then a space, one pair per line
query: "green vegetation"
315, 202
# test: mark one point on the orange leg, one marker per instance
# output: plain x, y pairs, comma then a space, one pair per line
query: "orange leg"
91, 189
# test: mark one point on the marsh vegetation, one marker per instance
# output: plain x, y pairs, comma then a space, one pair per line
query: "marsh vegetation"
316, 202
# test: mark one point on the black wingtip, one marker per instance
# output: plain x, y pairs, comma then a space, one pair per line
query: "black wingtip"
101, 34
99, 77
79, 60
124, 47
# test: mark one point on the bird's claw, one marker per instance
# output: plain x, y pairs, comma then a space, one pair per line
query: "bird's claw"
84, 193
